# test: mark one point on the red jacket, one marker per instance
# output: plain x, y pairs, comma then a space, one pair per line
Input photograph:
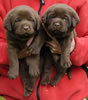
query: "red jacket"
74, 89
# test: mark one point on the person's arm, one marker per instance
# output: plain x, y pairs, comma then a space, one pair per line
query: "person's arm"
79, 55
5, 6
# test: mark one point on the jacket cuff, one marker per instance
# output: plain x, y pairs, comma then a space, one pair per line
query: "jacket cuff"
77, 53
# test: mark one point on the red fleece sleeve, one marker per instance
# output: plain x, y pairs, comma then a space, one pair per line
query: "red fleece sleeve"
4, 8
80, 54
2, 31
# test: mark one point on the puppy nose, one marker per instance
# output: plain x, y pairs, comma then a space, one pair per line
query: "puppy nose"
57, 24
26, 27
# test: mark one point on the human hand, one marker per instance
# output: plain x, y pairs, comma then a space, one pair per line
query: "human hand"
72, 45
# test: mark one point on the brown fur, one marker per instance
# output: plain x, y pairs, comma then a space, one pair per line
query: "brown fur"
60, 21
22, 23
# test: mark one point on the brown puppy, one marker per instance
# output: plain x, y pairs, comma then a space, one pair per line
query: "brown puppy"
22, 27
60, 21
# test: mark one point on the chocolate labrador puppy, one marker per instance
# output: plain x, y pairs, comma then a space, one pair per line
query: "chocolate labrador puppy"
22, 26
60, 21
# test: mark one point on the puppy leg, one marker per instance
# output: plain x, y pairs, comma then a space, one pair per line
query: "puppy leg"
13, 62
47, 72
28, 81
47, 63
56, 78
60, 71
29, 84
65, 56
34, 63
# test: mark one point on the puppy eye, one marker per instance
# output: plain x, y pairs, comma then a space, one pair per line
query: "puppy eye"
66, 17
30, 19
51, 16
17, 20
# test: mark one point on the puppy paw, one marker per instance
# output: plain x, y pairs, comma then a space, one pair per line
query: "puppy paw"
12, 75
34, 49
27, 93
46, 78
34, 72
65, 62
57, 78
53, 82
45, 81
29, 84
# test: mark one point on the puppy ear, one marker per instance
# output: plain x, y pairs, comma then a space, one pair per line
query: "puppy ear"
46, 14
37, 19
7, 23
75, 20
38, 22
44, 18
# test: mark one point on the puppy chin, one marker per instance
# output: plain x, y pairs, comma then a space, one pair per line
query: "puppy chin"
26, 33
57, 30
63, 30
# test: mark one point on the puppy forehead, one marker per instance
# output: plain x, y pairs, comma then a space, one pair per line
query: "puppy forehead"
23, 13
61, 9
